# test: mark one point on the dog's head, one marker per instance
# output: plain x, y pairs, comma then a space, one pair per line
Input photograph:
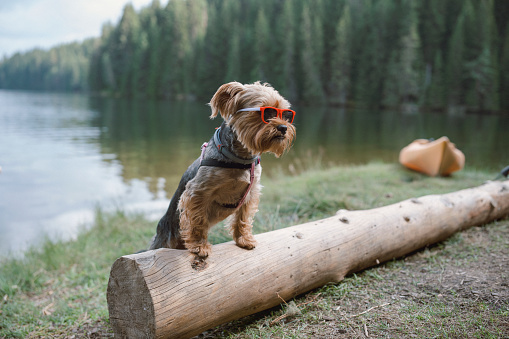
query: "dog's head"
274, 135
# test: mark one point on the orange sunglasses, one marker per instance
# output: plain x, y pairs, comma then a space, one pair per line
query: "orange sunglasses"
268, 113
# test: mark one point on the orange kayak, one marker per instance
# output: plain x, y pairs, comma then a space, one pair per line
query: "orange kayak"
438, 157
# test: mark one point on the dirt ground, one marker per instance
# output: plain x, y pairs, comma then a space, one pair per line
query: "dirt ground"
456, 289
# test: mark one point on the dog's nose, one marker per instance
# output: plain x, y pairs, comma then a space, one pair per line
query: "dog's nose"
282, 129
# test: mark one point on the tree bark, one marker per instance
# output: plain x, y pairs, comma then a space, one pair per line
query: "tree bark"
160, 294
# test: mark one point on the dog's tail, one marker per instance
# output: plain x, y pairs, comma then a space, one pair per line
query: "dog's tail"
168, 230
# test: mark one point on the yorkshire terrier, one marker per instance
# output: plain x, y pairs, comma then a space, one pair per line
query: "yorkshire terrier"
225, 180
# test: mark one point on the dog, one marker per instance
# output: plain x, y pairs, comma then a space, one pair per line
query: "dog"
225, 180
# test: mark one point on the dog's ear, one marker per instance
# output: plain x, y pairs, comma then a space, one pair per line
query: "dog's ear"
223, 102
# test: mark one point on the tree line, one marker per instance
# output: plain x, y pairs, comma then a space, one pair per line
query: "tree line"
62, 68
432, 53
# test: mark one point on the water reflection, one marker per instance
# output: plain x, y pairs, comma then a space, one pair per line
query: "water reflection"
153, 140
159, 139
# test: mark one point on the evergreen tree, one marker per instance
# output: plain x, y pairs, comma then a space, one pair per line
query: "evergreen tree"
432, 36
455, 62
165, 53
370, 52
97, 80
331, 15
285, 55
197, 27
437, 96
210, 64
312, 91
185, 24
107, 75
340, 63
233, 60
401, 81
481, 65
262, 47
432, 28
178, 50
124, 49
317, 37
153, 55
473, 46
504, 72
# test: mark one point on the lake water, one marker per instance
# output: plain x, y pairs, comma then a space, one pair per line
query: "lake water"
62, 155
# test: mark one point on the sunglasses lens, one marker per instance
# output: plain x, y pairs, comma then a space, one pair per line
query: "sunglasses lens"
269, 113
288, 116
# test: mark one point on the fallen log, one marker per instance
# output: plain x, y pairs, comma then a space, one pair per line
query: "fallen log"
158, 294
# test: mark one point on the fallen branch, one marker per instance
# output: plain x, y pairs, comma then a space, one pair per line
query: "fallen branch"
369, 309
158, 294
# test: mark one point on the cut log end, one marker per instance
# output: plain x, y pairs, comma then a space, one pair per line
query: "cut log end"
129, 301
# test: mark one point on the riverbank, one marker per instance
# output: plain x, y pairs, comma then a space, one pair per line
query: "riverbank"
59, 290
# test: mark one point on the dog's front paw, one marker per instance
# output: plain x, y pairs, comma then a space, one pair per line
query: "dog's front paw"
247, 242
201, 250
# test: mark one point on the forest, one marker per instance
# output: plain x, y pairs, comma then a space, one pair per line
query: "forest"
62, 68
434, 54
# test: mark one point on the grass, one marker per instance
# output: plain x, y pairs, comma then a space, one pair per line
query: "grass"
60, 286
59, 289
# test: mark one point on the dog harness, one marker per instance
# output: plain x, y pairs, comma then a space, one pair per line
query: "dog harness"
238, 163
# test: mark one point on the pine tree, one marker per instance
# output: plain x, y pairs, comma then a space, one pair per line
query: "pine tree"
262, 47
481, 65
285, 57
210, 63
332, 12
371, 53
312, 91
153, 51
455, 62
180, 48
107, 73
340, 63
504, 72
317, 34
437, 97
233, 60
96, 79
432, 36
401, 81
196, 26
